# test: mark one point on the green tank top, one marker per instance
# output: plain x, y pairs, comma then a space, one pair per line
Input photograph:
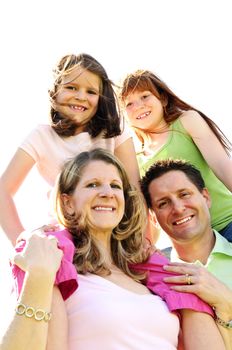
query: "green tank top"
180, 145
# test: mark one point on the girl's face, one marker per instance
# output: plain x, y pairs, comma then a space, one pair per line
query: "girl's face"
144, 110
99, 196
78, 95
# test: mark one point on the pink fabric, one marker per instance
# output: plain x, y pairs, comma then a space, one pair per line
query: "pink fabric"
66, 277
175, 300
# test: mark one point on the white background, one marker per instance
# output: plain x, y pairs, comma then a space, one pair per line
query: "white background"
185, 42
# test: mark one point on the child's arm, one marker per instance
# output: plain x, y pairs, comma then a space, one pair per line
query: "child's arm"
10, 182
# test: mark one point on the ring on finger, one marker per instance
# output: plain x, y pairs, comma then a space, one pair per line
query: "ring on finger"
188, 279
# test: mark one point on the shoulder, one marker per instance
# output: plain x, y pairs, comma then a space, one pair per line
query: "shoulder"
193, 122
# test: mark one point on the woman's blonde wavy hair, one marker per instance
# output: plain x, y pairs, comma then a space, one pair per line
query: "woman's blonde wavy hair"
127, 240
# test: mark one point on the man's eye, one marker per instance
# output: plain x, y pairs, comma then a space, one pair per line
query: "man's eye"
162, 205
185, 194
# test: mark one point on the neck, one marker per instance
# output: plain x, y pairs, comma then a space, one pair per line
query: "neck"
193, 250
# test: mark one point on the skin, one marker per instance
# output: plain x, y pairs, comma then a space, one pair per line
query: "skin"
99, 196
78, 98
183, 212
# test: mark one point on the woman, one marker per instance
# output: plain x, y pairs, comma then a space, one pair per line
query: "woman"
111, 308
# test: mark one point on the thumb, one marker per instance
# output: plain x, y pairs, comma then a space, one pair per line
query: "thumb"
18, 260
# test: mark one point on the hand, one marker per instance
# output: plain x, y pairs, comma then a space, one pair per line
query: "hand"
202, 283
40, 255
24, 236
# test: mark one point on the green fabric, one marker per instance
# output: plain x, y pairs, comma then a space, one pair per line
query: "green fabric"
219, 262
180, 145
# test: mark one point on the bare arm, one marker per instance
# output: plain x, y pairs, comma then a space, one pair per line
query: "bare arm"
200, 332
126, 154
40, 259
10, 182
208, 288
209, 146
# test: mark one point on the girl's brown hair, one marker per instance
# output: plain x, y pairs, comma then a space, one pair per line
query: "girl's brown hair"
106, 119
173, 106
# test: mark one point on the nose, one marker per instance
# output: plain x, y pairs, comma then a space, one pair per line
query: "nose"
80, 95
106, 191
178, 206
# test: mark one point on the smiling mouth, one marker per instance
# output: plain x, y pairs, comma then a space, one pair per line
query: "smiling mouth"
105, 209
183, 221
78, 108
144, 115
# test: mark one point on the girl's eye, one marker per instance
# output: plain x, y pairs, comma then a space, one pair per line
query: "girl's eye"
128, 104
145, 96
92, 92
68, 87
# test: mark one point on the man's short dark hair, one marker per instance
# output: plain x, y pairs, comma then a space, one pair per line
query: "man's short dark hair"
162, 167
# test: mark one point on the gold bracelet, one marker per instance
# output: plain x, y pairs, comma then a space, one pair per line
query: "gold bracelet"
29, 311
223, 323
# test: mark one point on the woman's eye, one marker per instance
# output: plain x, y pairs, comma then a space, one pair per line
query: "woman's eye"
92, 185
116, 186
128, 104
145, 96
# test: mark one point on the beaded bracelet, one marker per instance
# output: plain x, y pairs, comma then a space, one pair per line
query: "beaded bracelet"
29, 311
223, 323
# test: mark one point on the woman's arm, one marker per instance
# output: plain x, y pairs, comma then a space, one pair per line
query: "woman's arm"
10, 182
209, 146
40, 259
199, 331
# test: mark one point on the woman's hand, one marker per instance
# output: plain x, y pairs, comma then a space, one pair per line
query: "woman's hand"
40, 254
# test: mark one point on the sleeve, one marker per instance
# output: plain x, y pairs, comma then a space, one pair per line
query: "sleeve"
33, 143
125, 135
175, 300
66, 276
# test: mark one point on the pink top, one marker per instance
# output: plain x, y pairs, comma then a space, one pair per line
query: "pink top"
66, 277
50, 151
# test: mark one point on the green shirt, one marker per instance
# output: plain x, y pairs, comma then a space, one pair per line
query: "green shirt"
181, 146
219, 262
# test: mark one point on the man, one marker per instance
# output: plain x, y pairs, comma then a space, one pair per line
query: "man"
176, 193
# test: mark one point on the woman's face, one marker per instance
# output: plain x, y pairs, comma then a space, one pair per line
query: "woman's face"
78, 96
99, 195
144, 110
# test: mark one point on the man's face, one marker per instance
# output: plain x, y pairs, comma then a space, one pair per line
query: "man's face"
181, 209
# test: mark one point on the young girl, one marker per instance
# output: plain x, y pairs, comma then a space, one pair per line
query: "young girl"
167, 127
83, 116
111, 308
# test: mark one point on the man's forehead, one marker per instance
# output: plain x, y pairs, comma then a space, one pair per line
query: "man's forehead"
173, 180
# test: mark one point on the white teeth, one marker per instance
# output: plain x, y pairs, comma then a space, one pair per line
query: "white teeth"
143, 115
183, 220
78, 108
104, 208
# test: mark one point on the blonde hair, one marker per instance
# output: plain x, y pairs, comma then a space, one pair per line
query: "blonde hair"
127, 240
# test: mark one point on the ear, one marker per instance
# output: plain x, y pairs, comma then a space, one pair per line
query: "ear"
206, 195
68, 203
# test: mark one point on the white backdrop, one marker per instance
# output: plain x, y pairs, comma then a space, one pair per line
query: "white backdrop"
186, 42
